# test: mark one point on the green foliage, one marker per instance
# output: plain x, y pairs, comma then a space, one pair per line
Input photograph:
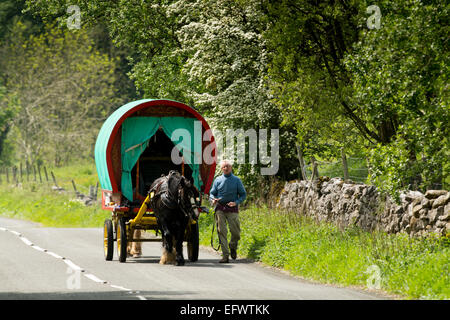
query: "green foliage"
37, 202
378, 92
414, 268
11, 11
8, 109
312, 69
209, 54
400, 74
64, 86
308, 79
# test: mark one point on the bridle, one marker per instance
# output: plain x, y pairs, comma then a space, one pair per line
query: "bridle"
171, 201
194, 203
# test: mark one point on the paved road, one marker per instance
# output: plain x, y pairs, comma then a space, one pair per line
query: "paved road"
68, 263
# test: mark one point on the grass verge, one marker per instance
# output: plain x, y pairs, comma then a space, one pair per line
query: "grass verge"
414, 268
36, 201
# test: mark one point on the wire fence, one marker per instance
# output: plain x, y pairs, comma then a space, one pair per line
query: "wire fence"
26, 175
357, 169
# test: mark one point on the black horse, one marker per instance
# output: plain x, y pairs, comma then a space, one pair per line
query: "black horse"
175, 201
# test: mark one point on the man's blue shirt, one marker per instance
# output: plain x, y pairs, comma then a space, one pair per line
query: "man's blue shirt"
228, 188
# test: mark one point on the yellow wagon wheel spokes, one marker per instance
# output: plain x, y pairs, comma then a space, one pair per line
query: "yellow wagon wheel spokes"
108, 239
105, 239
119, 239
122, 240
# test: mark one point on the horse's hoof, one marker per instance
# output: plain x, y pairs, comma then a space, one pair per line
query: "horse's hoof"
180, 263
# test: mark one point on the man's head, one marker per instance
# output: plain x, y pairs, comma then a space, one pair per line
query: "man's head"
226, 166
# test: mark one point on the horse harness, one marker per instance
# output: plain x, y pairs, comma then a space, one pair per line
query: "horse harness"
162, 191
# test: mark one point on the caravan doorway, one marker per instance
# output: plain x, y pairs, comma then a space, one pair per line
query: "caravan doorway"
154, 162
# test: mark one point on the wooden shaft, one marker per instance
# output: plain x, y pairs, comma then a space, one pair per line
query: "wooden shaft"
142, 210
182, 166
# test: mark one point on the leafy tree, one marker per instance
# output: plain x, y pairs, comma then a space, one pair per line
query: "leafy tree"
400, 76
307, 41
206, 53
8, 108
385, 89
144, 29
65, 89
312, 68
227, 66
11, 12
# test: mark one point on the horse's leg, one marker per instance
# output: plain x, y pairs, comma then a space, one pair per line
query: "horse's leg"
179, 248
179, 243
167, 256
163, 259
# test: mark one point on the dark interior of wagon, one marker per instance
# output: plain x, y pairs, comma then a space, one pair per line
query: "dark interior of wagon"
156, 161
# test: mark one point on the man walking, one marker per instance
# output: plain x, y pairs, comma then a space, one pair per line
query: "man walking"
227, 193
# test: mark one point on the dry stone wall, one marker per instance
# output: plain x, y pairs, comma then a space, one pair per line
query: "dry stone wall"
352, 204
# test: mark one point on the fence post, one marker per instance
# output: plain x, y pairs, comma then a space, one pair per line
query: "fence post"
39, 171
54, 179
301, 161
91, 192
46, 175
7, 175
95, 192
315, 171
15, 176
74, 188
28, 170
344, 164
21, 172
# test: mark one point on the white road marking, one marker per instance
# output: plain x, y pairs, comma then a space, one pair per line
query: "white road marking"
119, 287
73, 265
70, 263
39, 248
54, 255
26, 241
94, 278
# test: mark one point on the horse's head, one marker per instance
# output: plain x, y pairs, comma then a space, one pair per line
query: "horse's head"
189, 198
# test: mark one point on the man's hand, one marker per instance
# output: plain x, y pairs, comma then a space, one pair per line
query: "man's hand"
215, 200
231, 204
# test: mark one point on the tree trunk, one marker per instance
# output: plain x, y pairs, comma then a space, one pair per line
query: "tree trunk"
3, 134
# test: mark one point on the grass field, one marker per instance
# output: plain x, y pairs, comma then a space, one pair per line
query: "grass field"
37, 202
412, 268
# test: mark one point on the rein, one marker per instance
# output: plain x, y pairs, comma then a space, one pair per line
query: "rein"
212, 232
168, 199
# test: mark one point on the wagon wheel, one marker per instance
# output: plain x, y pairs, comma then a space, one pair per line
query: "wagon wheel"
108, 239
193, 243
122, 240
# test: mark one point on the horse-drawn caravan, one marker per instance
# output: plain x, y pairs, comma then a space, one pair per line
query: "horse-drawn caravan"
138, 144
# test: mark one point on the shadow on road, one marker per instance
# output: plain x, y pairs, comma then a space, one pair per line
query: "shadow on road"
210, 263
98, 295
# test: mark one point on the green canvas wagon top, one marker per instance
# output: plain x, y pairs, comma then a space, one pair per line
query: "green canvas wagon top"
136, 145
